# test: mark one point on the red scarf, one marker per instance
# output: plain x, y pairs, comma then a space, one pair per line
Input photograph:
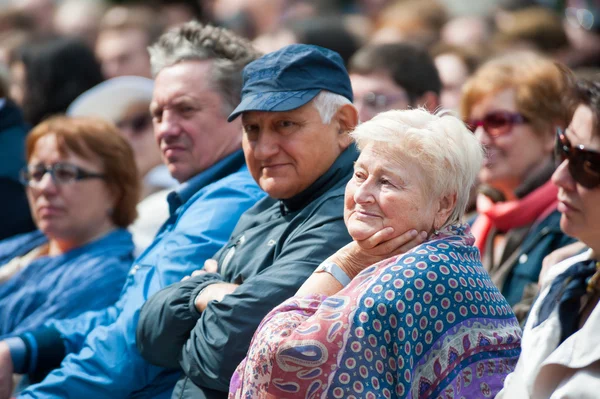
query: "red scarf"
511, 214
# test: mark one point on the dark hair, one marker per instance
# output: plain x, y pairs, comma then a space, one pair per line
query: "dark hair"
409, 66
326, 31
57, 70
92, 138
587, 92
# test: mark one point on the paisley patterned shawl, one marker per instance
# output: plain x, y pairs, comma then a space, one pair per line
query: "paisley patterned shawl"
426, 324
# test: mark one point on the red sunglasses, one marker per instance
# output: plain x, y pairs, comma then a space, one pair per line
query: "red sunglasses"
584, 165
497, 123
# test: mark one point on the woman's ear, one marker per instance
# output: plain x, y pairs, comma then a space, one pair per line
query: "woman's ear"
445, 207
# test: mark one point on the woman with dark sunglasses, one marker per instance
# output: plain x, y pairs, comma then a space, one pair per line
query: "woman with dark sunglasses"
560, 355
512, 105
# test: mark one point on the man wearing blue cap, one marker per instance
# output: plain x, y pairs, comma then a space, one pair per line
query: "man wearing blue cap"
296, 110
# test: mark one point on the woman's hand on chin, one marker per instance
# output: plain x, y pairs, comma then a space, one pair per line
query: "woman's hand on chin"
360, 254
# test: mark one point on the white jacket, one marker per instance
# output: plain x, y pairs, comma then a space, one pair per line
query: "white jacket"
571, 370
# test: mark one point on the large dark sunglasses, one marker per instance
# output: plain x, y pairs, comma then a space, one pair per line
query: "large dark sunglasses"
497, 123
584, 165
61, 173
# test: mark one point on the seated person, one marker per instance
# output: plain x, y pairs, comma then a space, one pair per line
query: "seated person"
296, 111
198, 80
372, 322
512, 104
560, 357
82, 187
125, 101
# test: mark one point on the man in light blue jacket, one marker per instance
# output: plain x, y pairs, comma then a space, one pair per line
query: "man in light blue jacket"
198, 83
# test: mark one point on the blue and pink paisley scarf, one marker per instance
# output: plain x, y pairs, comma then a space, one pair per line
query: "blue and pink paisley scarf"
426, 324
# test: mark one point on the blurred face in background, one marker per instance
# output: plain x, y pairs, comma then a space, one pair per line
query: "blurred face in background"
453, 74
123, 52
514, 150
74, 211
18, 80
375, 93
135, 124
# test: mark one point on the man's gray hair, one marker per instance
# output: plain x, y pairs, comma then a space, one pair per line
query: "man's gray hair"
194, 41
439, 143
328, 103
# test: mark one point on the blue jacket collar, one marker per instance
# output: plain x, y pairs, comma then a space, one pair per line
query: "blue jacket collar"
187, 189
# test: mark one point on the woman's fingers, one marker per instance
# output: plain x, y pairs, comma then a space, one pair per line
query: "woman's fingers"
403, 246
379, 237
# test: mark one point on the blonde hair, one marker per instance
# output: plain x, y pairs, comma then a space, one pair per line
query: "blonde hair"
439, 143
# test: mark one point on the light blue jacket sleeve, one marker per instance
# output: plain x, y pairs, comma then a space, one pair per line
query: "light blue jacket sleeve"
109, 365
94, 283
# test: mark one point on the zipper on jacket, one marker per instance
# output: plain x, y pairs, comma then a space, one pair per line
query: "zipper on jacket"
231, 253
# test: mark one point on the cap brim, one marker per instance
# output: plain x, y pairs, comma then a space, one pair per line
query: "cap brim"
110, 99
273, 101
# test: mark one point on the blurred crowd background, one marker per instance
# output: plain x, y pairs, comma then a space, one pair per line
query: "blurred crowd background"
44, 62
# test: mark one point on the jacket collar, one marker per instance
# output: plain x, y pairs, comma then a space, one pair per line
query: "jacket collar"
338, 172
186, 190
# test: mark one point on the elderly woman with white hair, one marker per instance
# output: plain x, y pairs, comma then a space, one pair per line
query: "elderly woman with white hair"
374, 320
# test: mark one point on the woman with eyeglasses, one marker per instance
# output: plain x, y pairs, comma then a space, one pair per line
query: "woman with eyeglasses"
512, 105
560, 355
82, 186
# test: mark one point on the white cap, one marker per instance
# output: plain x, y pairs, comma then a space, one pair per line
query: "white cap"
109, 99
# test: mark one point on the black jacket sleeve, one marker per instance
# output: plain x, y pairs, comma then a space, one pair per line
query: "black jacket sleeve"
167, 318
221, 336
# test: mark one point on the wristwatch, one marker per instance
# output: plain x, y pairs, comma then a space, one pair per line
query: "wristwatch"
335, 271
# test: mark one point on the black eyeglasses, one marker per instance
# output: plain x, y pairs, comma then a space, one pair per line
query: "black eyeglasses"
138, 124
584, 165
61, 173
497, 123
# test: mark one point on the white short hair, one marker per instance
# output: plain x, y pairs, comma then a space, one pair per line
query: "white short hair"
328, 103
440, 143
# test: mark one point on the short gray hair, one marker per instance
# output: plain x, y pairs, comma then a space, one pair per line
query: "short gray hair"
440, 143
194, 41
328, 103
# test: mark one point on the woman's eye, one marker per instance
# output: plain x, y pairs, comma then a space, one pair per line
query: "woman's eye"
37, 175
386, 182
359, 176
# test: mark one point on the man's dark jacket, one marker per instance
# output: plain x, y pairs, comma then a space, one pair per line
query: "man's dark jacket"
274, 248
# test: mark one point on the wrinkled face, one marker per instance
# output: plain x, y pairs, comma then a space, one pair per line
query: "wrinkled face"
135, 124
514, 155
375, 93
288, 151
78, 211
190, 124
385, 192
123, 53
580, 206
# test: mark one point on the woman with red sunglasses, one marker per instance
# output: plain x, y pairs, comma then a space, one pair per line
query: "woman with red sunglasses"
512, 105
560, 348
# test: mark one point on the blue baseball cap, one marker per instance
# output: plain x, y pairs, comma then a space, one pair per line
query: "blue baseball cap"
288, 78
